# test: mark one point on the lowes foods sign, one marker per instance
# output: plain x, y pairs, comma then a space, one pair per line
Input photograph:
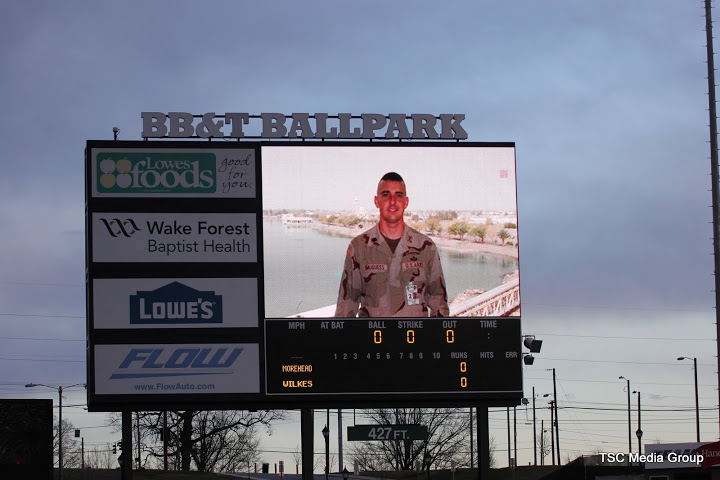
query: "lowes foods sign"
218, 173
175, 303
177, 369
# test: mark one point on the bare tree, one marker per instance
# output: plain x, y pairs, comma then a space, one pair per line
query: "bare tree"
543, 445
101, 457
71, 450
448, 439
204, 438
492, 448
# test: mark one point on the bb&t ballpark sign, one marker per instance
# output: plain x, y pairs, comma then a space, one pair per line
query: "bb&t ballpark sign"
416, 126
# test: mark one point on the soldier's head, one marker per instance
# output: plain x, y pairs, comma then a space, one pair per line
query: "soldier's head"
391, 198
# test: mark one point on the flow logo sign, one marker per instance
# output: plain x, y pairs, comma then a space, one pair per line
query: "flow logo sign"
175, 303
155, 172
176, 369
176, 362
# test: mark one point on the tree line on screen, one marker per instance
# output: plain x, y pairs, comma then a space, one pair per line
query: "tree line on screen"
436, 224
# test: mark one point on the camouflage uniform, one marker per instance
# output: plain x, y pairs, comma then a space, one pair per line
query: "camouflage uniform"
377, 283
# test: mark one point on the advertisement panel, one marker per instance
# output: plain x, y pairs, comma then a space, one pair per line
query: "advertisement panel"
175, 303
163, 172
174, 237
176, 369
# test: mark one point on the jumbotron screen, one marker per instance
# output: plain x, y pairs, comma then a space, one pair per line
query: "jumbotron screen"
280, 274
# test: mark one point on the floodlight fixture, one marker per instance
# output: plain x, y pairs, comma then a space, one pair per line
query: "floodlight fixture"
532, 344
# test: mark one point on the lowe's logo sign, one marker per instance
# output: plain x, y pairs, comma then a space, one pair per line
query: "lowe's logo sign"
175, 303
176, 362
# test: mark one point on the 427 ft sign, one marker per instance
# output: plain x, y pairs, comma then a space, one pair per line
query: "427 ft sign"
366, 433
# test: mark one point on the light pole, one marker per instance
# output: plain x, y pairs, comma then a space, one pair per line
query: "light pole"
60, 389
326, 434
629, 420
639, 431
697, 403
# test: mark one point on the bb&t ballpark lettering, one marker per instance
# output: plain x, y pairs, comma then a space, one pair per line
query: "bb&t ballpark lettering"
298, 125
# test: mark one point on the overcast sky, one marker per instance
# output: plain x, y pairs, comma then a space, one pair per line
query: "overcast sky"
606, 102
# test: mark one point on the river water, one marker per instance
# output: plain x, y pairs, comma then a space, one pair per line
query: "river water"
303, 267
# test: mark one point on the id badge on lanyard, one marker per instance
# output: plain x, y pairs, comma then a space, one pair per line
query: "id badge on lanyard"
411, 294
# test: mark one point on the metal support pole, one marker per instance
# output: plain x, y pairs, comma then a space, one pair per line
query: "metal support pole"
340, 441
137, 419
165, 441
126, 454
639, 432
714, 177
483, 442
472, 441
306, 442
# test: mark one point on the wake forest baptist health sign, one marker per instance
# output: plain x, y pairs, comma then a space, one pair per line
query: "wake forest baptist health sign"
298, 125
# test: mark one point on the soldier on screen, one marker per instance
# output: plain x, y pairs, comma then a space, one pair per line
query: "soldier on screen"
392, 270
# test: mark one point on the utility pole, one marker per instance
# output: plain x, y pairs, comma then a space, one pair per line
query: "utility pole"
629, 418
557, 423
534, 432
515, 435
542, 442
552, 435
507, 409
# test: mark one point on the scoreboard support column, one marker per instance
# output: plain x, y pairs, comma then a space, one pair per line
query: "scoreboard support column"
126, 472
483, 442
306, 442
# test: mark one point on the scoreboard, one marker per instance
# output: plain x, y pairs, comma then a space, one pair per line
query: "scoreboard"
181, 311
389, 356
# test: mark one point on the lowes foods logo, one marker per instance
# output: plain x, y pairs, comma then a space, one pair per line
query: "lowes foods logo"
134, 173
176, 362
175, 303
